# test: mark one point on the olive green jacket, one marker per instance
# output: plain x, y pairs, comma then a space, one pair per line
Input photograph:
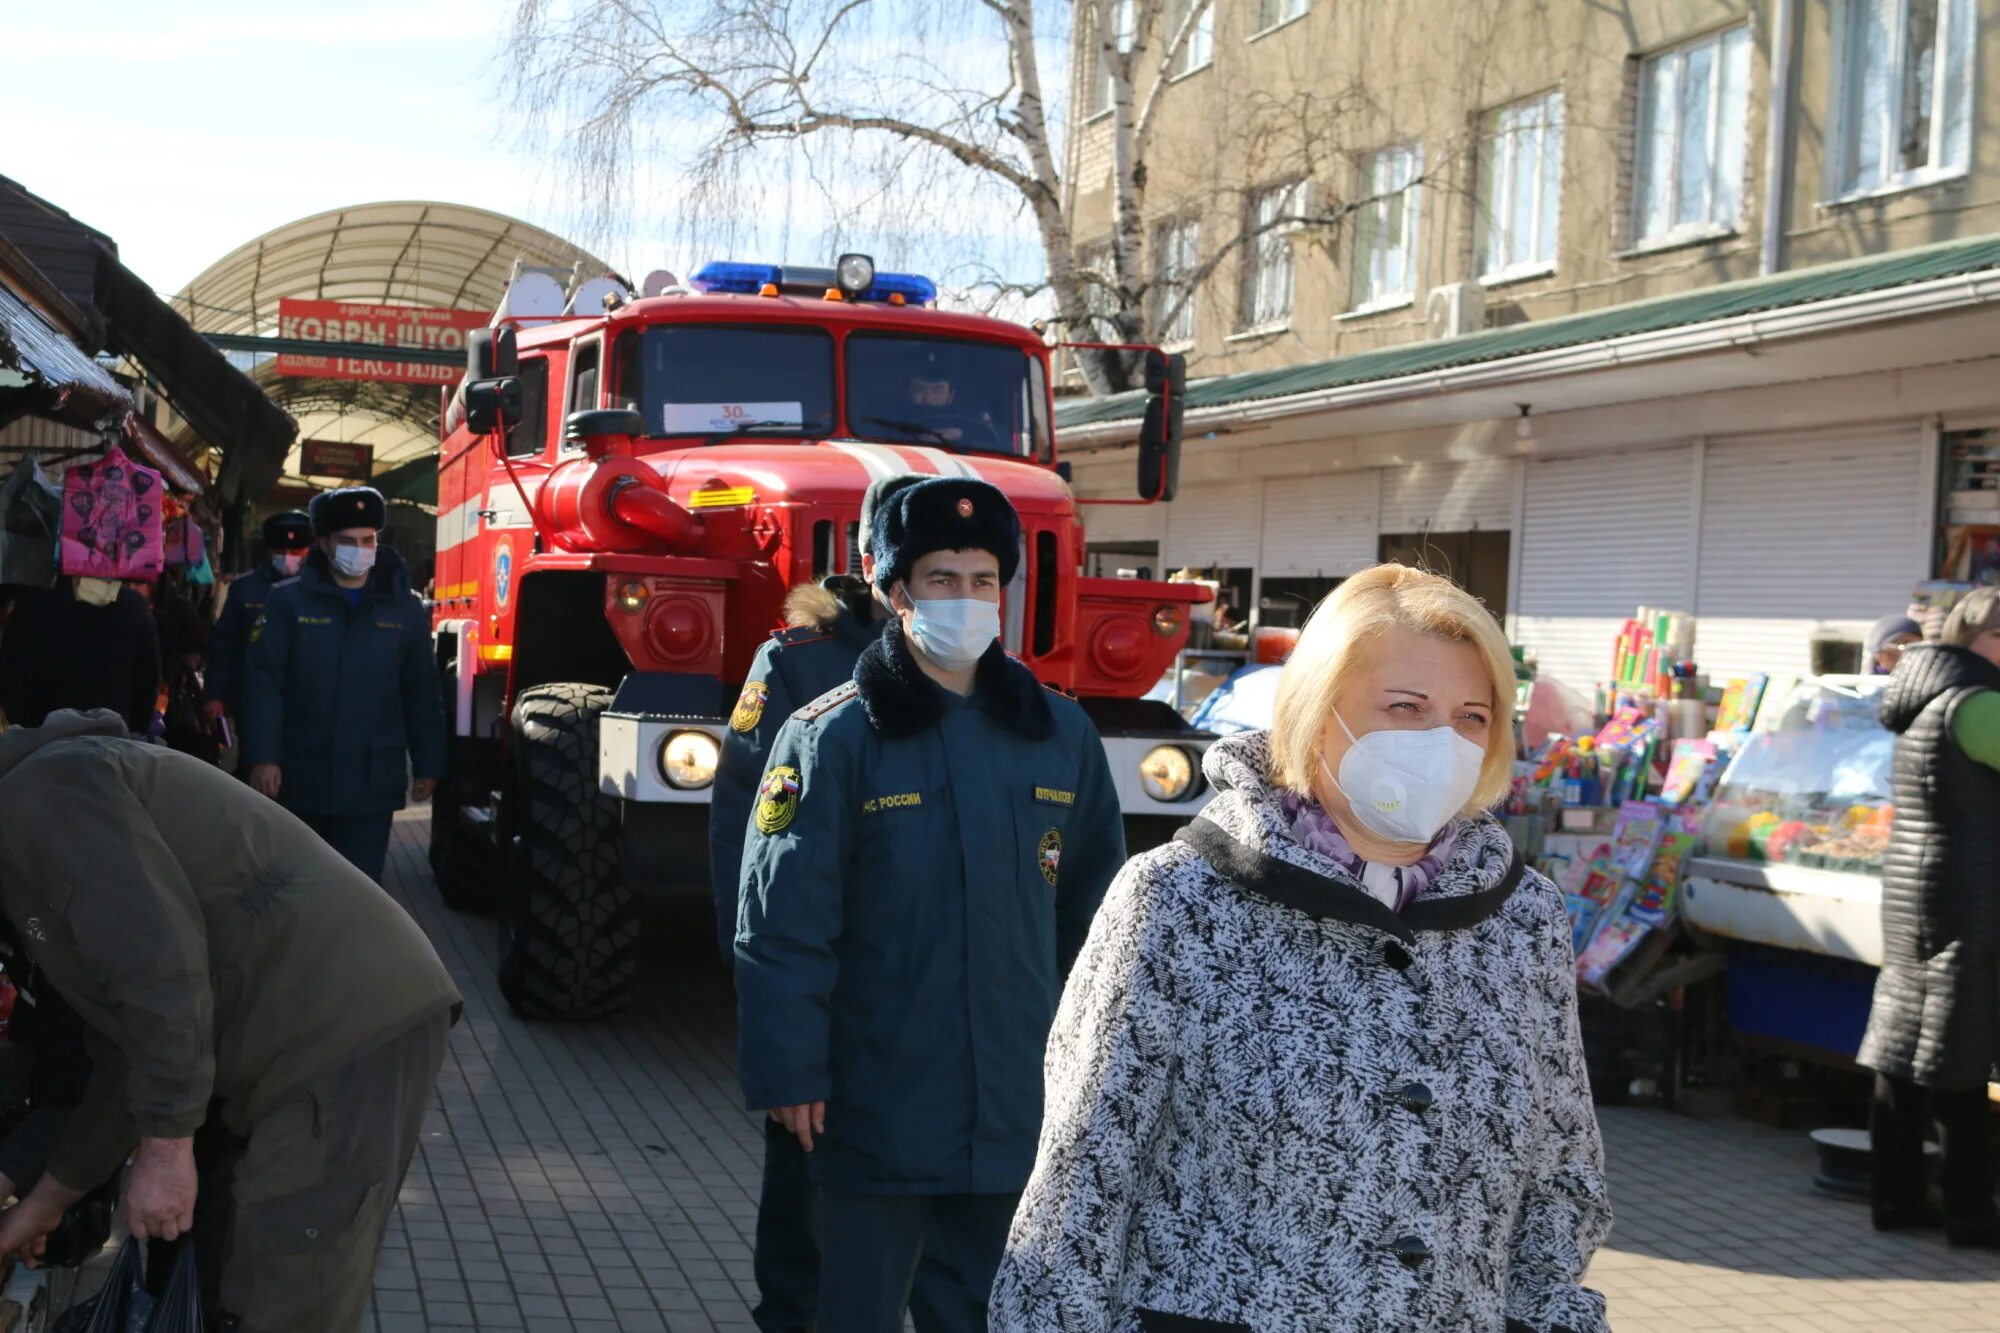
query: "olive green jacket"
217, 950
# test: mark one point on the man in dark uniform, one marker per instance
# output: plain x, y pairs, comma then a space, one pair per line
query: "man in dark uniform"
265, 1024
827, 627
341, 696
927, 849
287, 539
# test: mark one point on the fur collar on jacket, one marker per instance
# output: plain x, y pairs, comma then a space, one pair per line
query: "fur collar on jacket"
1246, 836
901, 701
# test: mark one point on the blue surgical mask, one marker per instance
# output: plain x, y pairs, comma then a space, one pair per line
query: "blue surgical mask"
954, 633
287, 563
351, 562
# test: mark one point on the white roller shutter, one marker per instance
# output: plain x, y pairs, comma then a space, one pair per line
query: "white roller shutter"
1216, 525
1124, 523
1449, 497
1809, 531
1601, 535
1319, 527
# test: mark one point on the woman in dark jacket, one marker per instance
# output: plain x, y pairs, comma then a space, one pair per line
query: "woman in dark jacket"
1934, 1033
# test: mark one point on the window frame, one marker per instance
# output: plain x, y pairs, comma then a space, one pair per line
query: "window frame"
1165, 286
1125, 17
1412, 230
590, 347
1252, 265
1836, 188
1282, 21
1183, 65
1708, 227
1489, 275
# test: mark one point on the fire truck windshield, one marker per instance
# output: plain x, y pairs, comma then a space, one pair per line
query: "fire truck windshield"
723, 379
960, 395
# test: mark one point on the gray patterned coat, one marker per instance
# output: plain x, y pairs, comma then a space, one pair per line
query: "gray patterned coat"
1274, 1104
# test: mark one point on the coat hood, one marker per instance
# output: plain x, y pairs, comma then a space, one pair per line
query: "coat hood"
1245, 834
1926, 671
17, 743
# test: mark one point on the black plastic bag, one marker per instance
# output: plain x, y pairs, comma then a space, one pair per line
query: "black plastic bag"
122, 1305
179, 1306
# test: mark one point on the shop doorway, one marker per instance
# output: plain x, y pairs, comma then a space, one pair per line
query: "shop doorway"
1475, 561
1285, 603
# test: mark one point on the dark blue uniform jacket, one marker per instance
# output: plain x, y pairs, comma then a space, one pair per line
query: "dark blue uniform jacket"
920, 870
338, 694
792, 669
241, 610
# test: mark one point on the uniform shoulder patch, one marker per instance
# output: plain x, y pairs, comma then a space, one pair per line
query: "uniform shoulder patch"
798, 634
827, 702
777, 799
750, 706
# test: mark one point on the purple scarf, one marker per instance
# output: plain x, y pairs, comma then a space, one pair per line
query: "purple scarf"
1313, 828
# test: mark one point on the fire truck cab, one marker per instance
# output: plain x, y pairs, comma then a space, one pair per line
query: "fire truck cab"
628, 487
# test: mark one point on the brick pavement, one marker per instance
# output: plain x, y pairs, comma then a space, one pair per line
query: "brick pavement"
602, 1177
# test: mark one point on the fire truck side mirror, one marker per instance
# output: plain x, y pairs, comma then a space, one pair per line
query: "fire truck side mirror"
490, 354
603, 423
492, 404
1160, 429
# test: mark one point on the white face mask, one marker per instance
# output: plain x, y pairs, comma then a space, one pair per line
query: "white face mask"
287, 564
954, 633
353, 561
1406, 785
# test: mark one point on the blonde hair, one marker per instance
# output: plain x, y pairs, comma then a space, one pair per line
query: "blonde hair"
1331, 649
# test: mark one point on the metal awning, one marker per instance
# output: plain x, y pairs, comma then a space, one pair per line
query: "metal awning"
45, 374
218, 400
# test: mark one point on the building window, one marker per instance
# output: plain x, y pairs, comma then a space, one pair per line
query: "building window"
1272, 13
1199, 48
1385, 236
1273, 215
1176, 254
1520, 187
1125, 27
1693, 120
1906, 92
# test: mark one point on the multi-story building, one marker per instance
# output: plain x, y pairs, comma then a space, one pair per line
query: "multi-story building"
1688, 303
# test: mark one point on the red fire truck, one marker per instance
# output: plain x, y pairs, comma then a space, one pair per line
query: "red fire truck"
625, 497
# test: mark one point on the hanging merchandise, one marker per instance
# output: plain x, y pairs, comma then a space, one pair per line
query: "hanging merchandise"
186, 545
201, 574
113, 519
30, 515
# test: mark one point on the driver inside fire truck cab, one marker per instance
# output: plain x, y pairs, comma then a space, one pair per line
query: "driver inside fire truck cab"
927, 394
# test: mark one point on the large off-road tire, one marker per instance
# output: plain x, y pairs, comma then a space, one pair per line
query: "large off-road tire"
569, 925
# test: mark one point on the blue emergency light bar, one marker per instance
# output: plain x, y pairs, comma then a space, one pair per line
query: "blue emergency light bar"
737, 279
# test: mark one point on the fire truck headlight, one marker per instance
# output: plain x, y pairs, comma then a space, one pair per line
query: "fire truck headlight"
1167, 620
688, 760
632, 595
1168, 773
855, 274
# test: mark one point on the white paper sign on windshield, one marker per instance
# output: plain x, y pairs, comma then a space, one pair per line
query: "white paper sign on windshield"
696, 418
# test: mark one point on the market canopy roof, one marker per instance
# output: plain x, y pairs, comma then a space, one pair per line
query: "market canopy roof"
413, 252
1723, 301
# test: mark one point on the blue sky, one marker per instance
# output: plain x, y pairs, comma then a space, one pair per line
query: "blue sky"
183, 129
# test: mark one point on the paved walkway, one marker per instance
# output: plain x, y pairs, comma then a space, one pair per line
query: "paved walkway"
601, 1177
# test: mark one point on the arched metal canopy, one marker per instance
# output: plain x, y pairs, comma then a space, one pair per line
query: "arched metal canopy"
413, 252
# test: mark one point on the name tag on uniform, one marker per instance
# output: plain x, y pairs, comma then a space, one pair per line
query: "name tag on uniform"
901, 801
315, 620
388, 624
1054, 796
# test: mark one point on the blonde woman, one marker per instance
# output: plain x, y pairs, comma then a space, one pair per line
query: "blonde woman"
1318, 1066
